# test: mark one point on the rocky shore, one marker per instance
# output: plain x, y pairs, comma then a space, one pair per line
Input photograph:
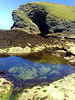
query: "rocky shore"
38, 30
63, 89
16, 42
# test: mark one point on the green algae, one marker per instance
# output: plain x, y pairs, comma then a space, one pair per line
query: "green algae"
38, 98
5, 95
52, 59
15, 96
44, 90
45, 58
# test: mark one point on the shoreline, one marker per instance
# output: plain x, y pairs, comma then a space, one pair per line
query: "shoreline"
58, 90
19, 43
54, 91
39, 50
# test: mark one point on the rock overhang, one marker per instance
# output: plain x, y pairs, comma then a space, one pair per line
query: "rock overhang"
45, 20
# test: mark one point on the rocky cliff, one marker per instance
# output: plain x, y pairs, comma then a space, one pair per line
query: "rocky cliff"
44, 17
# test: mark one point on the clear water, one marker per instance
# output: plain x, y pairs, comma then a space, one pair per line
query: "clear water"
23, 69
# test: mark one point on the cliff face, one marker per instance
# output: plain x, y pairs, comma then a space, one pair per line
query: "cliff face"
42, 17
21, 22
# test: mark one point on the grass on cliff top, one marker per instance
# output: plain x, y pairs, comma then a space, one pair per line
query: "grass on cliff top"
61, 11
23, 16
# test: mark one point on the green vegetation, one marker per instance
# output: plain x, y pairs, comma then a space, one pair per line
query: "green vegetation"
38, 98
23, 16
15, 96
47, 58
55, 86
52, 59
44, 90
61, 11
38, 88
31, 51
5, 95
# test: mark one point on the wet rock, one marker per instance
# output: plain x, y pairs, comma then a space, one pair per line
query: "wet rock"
61, 53
70, 59
70, 46
2, 72
63, 89
19, 43
56, 54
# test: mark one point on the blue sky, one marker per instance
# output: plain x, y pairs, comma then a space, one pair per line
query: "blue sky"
7, 6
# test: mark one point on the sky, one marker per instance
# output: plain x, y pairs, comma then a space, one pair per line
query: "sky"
7, 6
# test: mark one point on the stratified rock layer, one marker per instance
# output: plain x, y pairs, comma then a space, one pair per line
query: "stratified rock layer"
21, 22
44, 18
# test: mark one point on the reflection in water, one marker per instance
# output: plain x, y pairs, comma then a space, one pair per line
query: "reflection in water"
25, 70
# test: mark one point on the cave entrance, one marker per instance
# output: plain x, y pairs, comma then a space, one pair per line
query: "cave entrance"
58, 30
39, 18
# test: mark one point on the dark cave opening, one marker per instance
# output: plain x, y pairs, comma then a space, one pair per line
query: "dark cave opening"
58, 30
39, 18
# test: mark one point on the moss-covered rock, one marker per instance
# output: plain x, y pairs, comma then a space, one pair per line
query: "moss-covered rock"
5, 89
21, 22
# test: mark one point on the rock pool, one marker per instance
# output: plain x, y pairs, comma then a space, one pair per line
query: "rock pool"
32, 71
